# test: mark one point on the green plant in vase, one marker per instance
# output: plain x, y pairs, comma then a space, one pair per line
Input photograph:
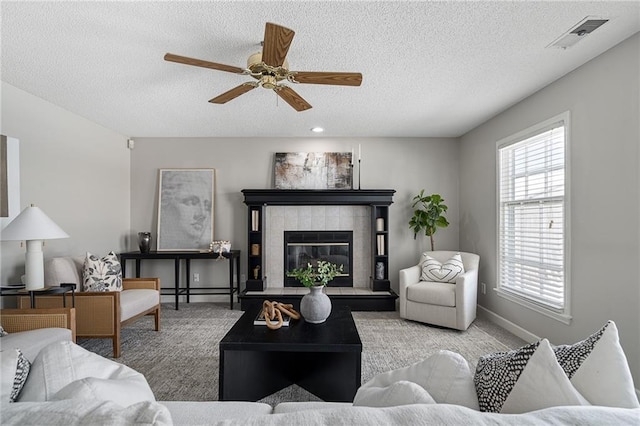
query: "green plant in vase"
322, 273
315, 307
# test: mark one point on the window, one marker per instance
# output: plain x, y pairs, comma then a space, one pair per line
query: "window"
532, 226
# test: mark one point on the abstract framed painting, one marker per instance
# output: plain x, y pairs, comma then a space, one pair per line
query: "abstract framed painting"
186, 203
313, 170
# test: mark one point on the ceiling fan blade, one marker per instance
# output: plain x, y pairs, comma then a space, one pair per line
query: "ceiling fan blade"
200, 63
233, 93
292, 98
277, 40
335, 78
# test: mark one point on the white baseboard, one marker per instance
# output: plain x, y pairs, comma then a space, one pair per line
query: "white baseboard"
508, 325
515, 329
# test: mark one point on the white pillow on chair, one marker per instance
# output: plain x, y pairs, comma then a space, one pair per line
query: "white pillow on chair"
446, 272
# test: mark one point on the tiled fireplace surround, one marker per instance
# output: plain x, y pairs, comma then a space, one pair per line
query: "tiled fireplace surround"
317, 218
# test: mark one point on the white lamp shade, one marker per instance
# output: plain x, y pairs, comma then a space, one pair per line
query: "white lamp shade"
32, 224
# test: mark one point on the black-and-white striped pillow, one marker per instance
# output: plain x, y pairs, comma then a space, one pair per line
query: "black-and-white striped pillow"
23, 366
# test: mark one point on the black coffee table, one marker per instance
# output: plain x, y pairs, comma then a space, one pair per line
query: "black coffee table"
324, 359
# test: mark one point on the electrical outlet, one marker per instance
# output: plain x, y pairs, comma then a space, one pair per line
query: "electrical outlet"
196, 278
483, 288
243, 277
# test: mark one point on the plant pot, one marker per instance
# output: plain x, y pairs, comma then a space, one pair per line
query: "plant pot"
315, 306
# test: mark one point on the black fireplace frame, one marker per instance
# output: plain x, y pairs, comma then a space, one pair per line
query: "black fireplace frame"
320, 237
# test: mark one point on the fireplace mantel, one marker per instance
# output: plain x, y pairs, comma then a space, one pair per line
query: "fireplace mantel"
371, 272
304, 197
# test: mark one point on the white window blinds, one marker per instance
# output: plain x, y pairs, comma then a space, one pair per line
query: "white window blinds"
531, 182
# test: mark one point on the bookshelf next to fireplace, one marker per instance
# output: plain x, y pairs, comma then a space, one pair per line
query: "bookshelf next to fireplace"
380, 295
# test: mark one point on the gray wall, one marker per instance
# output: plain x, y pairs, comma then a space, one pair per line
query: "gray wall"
406, 165
603, 99
76, 171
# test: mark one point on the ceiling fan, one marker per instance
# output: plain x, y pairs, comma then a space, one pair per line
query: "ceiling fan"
271, 68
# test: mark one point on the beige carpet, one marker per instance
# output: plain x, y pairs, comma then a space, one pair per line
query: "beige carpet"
181, 361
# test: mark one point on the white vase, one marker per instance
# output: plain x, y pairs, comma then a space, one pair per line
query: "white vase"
315, 306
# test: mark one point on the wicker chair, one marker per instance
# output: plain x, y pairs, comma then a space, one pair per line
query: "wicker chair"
30, 330
100, 314
17, 320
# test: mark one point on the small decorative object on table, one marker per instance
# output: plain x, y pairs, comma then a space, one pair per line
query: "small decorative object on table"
144, 241
275, 315
315, 306
220, 247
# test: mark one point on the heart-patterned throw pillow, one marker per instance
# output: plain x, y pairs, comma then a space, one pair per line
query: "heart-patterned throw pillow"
446, 272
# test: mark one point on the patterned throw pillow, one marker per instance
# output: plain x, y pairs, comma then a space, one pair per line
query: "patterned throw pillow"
598, 369
523, 380
446, 272
15, 370
2, 332
22, 372
102, 274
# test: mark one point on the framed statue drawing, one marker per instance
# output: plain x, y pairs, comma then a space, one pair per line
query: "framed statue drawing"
185, 209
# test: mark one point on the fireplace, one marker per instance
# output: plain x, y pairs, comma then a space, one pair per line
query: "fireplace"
304, 247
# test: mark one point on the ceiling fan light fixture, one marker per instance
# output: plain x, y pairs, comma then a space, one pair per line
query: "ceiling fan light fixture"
255, 63
269, 82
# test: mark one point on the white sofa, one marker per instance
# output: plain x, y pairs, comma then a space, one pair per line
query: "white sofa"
62, 389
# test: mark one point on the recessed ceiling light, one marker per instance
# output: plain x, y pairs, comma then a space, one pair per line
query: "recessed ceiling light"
317, 129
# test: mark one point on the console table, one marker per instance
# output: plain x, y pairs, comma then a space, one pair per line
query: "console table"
234, 264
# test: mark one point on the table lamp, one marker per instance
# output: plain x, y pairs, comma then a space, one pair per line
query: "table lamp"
33, 226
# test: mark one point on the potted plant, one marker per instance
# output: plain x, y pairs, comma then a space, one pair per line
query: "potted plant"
315, 306
428, 215
321, 274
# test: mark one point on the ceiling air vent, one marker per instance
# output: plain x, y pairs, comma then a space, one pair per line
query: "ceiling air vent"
578, 32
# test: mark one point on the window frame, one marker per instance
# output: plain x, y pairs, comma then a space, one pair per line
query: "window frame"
561, 314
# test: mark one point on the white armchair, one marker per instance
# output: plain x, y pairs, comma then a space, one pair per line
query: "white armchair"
450, 305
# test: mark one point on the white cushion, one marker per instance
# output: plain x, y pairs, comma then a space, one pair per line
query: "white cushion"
433, 293
63, 270
132, 302
15, 371
398, 393
523, 380
445, 375
291, 407
31, 342
102, 274
209, 412
83, 413
123, 390
446, 272
63, 363
599, 370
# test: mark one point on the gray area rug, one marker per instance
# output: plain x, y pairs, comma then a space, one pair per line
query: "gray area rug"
181, 361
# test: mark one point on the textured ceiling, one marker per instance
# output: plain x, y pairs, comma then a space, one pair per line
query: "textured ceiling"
429, 68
